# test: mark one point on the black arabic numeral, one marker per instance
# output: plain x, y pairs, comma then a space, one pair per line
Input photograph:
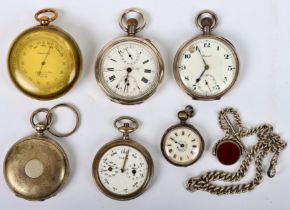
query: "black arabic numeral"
206, 45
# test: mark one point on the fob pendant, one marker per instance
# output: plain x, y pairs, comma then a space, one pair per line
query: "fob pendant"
123, 168
182, 144
228, 151
207, 66
44, 61
230, 148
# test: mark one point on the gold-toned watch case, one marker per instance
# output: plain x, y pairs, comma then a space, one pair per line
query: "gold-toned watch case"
55, 169
98, 69
178, 55
75, 74
129, 143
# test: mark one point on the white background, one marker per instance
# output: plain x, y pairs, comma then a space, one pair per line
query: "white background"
259, 29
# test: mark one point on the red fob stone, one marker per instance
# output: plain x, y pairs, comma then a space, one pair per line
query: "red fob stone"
228, 152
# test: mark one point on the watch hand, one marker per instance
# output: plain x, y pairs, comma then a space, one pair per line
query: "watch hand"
176, 142
130, 56
125, 161
44, 60
126, 79
206, 83
127, 89
206, 67
107, 70
205, 64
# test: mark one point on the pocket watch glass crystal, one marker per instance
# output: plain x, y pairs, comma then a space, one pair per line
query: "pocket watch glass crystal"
44, 61
129, 68
182, 144
206, 67
123, 168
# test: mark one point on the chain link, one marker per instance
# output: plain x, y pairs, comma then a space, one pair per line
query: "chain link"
268, 142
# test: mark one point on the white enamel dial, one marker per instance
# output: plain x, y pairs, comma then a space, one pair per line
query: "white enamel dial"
182, 145
123, 170
129, 70
207, 67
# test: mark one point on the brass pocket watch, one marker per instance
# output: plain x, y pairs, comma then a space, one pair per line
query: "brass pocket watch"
182, 144
206, 66
129, 68
44, 61
123, 168
36, 167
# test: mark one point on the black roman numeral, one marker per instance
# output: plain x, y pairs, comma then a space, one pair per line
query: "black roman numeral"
147, 70
183, 67
230, 68
110, 69
144, 80
112, 78
145, 61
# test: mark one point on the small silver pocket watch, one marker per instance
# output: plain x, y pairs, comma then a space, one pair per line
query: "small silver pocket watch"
182, 144
123, 168
36, 167
129, 68
206, 66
